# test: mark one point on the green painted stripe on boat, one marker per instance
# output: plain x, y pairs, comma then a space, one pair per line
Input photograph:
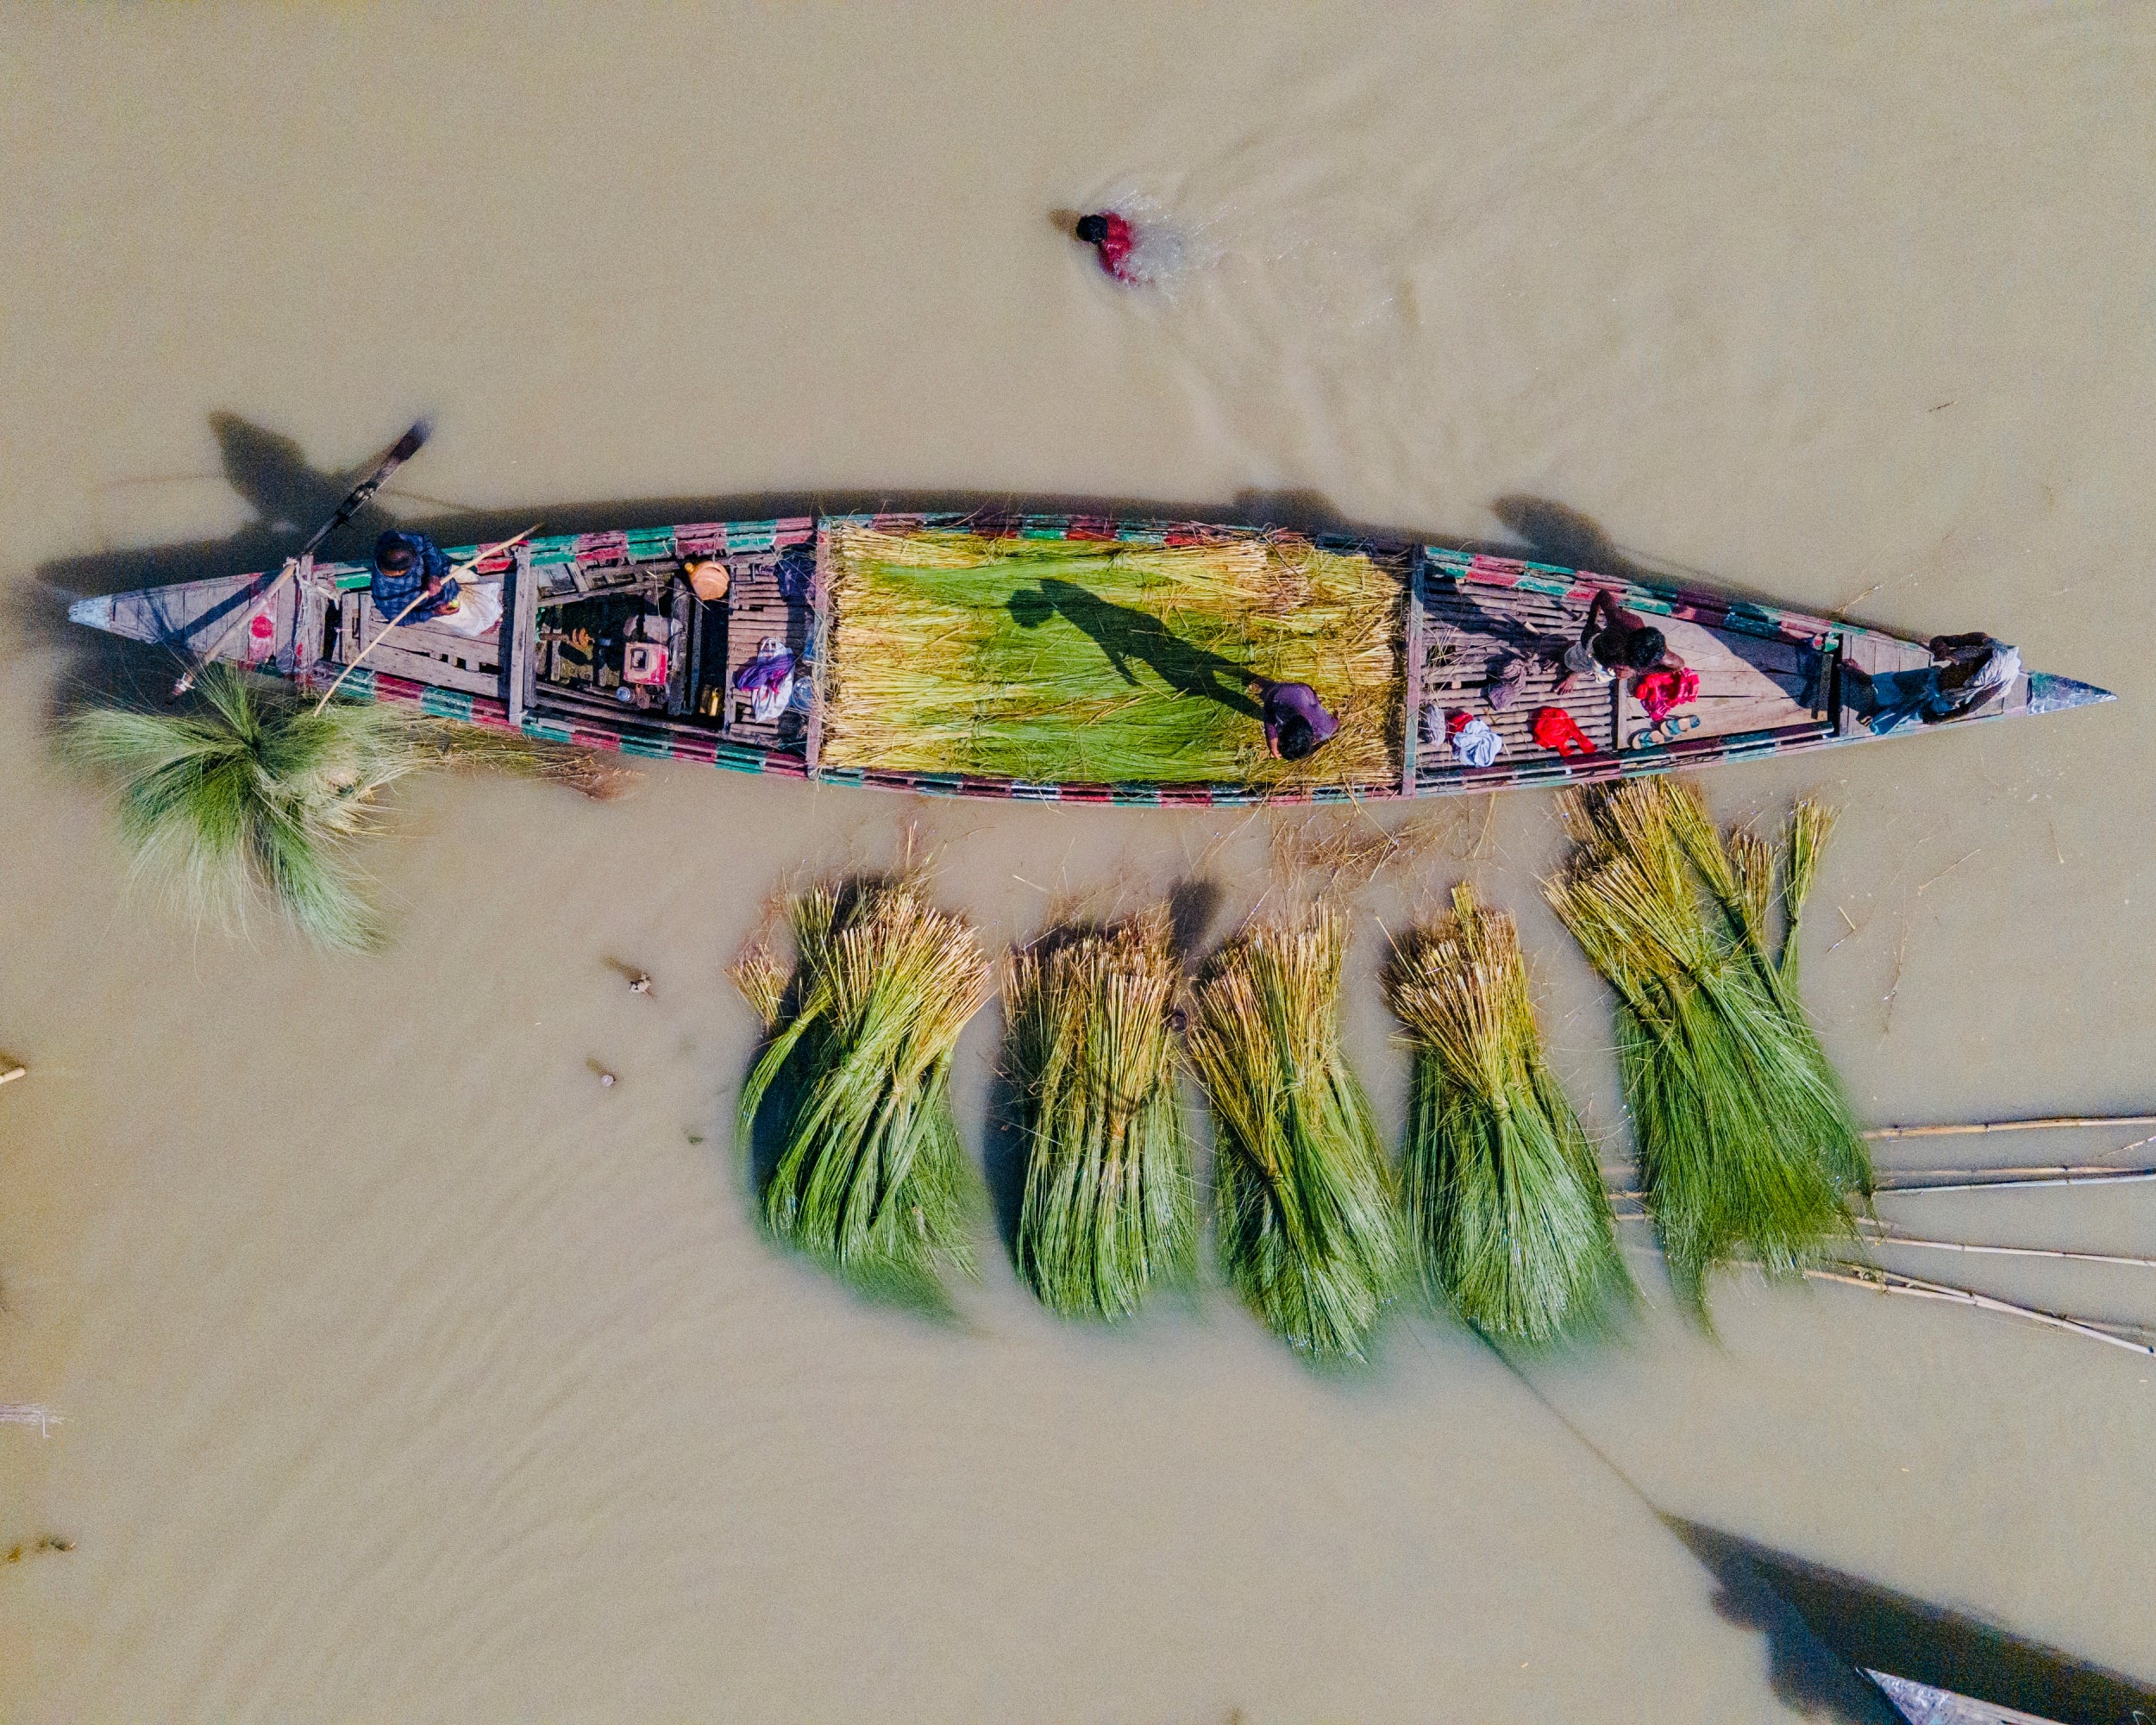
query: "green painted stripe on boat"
649, 747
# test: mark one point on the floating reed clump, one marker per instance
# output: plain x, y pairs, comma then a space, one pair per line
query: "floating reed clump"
868, 1177
250, 798
1110, 1205
254, 795
1745, 1142
1308, 1227
1102, 660
1503, 1196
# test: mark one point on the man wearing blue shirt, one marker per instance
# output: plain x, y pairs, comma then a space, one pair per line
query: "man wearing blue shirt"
407, 565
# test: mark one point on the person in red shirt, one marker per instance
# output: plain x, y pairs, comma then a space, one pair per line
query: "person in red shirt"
1112, 240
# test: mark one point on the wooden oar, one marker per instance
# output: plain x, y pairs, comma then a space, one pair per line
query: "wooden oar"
392, 458
456, 572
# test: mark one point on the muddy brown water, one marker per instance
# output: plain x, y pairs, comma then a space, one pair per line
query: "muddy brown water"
409, 1373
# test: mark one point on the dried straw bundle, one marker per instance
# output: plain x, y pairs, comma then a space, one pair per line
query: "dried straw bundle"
1308, 1227
590, 772
1503, 1194
869, 1176
1745, 1142
1110, 1205
250, 798
1103, 662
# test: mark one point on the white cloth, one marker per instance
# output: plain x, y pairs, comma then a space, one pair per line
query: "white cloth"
1474, 744
478, 609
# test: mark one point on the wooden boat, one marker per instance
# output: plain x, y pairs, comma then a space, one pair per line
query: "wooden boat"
1772, 681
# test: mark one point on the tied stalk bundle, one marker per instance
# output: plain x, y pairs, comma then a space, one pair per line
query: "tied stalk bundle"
1745, 1142
254, 796
1110, 1204
1309, 1228
250, 798
869, 1177
1502, 1192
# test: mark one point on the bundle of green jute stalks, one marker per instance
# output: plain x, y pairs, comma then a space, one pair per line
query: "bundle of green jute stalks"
1746, 1145
1110, 1204
1503, 1196
1308, 1227
869, 1176
255, 795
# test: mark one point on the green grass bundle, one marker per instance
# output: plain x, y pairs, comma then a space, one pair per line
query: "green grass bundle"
1110, 1204
869, 1177
1503, 1196
1309, 1230
1078, 659
1745, 1142
251, 798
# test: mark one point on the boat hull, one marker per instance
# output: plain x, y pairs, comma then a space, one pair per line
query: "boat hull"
1775, 682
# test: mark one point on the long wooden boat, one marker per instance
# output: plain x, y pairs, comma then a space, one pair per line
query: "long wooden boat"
1432, 621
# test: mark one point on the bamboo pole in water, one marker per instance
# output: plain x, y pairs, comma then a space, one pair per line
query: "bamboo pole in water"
2021, 1181
1916, 1288
2052, 1123
1884, 1236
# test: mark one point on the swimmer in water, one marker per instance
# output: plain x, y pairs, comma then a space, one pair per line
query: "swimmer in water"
1114, 240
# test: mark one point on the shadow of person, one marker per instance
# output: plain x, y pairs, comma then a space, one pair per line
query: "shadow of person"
1129, 637
271, 472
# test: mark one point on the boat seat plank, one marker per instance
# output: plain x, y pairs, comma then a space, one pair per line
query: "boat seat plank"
1745, 682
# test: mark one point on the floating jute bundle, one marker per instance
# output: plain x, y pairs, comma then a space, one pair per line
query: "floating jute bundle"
869, 1177
1503, 1196
1110, 1205
1308, 1225
1746, 1145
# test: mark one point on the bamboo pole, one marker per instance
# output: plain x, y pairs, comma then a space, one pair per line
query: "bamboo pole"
2057, 1176
2051, 1123
1884, 1236
1893, 1281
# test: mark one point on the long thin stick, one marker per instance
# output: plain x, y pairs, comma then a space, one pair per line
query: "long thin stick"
1888, 1237
417, 599
2060, 1176
2051, 1123
391, 459
1892, 1282
14, 1073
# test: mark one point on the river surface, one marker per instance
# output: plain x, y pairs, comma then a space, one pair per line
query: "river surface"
409, 1373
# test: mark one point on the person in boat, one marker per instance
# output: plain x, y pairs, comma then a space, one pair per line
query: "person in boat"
1612, 641
1966, 671
1296, 724
1114, 241
407, 566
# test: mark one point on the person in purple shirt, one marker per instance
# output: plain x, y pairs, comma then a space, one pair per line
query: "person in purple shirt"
1296, 723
